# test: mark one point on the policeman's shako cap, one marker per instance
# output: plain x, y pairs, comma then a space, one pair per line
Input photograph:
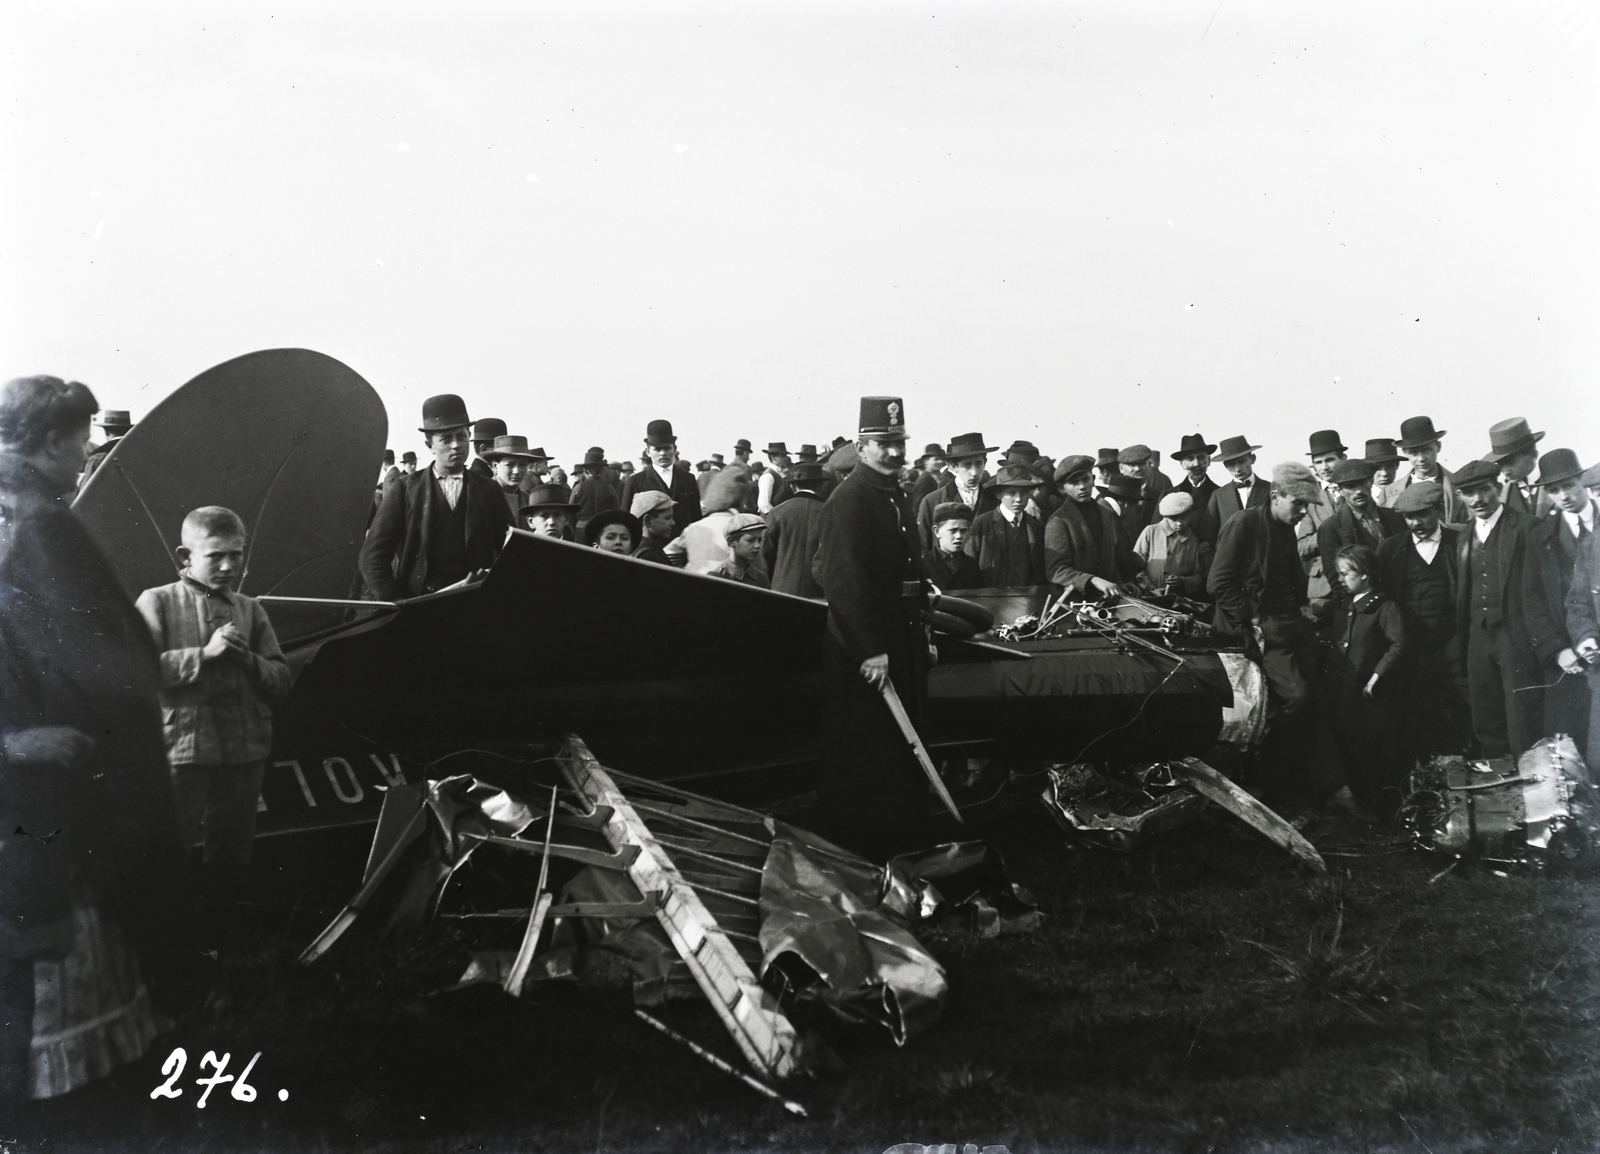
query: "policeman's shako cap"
1382, 451
1123, 488
1420, 496
952, 511
488, 428
882, 419
1558, 465
658, 434
1357, 469
967, 446
1299, 482
1510, 437
1192, 444
1074, 466
1014, 477
1416, 432
115, 419
1475, 473
1325, 441
444, 412
1232, 448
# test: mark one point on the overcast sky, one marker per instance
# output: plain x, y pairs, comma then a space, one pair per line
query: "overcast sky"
1084, 224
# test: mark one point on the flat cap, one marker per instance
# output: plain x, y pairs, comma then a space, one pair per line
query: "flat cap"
1134, 455
1422, 495
743, 523
1175, 504
1073, 465
1295, 479
1475, 473
644, 504
1353, 471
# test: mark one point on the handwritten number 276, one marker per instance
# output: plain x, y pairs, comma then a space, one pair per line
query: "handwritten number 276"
179, 1058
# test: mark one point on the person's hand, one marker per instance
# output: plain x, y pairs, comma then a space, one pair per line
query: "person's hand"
1308, 613
1103, 587
876, 671
227, 641
1589, 649
1372, 683
1569, 661
59, 745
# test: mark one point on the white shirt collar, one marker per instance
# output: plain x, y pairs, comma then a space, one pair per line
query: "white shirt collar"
1011, 518
1484, 527
1584, 518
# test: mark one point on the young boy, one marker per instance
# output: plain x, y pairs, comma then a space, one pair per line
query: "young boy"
744, 534
946, 565
1008, 542
220, 668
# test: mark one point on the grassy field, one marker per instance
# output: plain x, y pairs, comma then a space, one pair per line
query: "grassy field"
1201, 994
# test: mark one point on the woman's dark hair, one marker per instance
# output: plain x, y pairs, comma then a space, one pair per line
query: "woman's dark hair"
597, 525
1365, 561
31, 408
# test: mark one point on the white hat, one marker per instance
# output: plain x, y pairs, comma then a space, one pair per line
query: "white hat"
1175, 504
649, 502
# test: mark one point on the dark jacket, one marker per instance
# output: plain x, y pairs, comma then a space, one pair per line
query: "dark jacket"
1007, 555
1239, 571
867, 554
951, 572
1224, 503
1369, 637
1583, 600
650, 551
926, 483
794, 531
594, 495
1202, 494
1071, 556
1394, 557
74, 652
1527, 618
1130, 518
1345, 528
481, 467
1455, 509
394, 558
683, 489
947, 493
1555, 553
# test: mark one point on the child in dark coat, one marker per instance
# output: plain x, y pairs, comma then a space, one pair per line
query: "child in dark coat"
1369, 645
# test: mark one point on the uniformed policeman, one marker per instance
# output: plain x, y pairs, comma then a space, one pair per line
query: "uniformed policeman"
871, 790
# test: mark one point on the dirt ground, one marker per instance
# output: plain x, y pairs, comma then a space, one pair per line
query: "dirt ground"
1200, 994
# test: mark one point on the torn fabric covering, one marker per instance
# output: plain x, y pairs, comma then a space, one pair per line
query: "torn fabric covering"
1245, 721
821, 906
961, 879
1118, 814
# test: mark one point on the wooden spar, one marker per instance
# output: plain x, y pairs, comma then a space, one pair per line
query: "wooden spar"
751, 1015
909, 731
375, 877
541, 907
1247, 809
760, 1087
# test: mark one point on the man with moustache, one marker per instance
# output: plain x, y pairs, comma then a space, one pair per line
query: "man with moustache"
665, 474
1244, 491
1358, 520
1557, 540
967, 456
1418, 568
1420, 441
871, 789
1194, 456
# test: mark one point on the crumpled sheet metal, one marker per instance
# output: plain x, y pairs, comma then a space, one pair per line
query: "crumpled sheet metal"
959, 881
1119, 815
823, 906
1245, 721
1542, 809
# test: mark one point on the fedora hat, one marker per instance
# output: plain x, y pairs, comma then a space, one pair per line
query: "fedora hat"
1416, 432
882, 419
594, 459
487, 429
546, 499
806, 471
1381, 451
509, 446
776, 449
1194, 443
538, 454
1014, 477
1023, 450
1123, 488
1073, 466
659, 434
115, 419
408, 458
1233, 448
1326, 441
1510, 437
598, 523
1558, 465
967, 445
840, 442
806, 453
1357, 469
927, 451
388, 456
1107, 459
717, 460
446, 411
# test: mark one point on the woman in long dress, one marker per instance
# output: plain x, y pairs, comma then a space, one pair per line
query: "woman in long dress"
96, 946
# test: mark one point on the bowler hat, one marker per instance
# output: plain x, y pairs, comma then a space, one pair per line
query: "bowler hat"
1359, 469
882, 419
1558, 465
1419, 496
1025, 450
594, 460
806, 453
1416, 432
115, 419
1107, 459
546, 499
967, 445
777, 449
805, 471
927, 451
509, 446
1326, 441
488, 428
1510, 437
446, 411
1381, 451
1134, 455
408, 458
1123, 488
1191, 444
598, 523
388, 456
659, 433
1073, 466
1232, 448
1475, 473
742, 444
1014, 477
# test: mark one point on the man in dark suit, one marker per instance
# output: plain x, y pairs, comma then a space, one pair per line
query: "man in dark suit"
665, 474
1498, 616
1418, 570
1194, 456
1327, 449
1008, 542
1083, 547
1558, 538
592, 490
483, 434
1357, 521
1513, 446
1244, 491
440, 524
871, 790
1143, 462
1124, 497
1385, 459
794, 531
1583, 616
967, 456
